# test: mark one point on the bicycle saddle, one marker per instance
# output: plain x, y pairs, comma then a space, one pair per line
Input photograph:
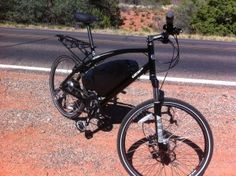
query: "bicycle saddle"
85, 18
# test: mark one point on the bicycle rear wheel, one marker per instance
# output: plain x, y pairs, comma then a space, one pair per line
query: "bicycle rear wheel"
188, 135
68, 105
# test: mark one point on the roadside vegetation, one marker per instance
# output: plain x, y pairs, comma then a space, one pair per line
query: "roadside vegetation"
59, 12
199, 18
207, 17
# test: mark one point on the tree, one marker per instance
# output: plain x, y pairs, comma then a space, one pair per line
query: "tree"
5, 8
62, 11
146, 2
216, 17
108, 11
26, 11
59, 11
185, 13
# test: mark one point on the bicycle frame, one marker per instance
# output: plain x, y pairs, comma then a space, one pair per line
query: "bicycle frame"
149, 66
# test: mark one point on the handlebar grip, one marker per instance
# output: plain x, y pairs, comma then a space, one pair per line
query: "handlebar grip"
169, 27
170, 18
169, 22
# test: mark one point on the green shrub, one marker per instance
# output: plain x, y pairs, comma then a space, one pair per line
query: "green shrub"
5, 8
59, 11
109, 12
185, 13
25, 11
62, 11
146, 2
216, 17
208, 17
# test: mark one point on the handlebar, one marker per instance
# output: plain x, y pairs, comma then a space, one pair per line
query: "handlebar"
169, 29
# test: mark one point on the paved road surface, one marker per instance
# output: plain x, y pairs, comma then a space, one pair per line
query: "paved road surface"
199, 59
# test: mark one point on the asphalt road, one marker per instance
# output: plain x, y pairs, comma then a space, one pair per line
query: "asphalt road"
199, 59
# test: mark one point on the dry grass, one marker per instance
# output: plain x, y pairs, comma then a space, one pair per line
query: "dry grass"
212, 37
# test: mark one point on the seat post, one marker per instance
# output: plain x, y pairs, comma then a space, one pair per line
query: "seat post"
90, 36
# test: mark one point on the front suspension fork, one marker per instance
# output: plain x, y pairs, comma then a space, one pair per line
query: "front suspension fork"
159, 99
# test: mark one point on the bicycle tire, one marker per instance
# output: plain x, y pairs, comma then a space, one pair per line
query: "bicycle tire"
128, 155
68, 113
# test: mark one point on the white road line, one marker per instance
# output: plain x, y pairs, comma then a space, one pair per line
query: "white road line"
18, 67
195, 81
144, 77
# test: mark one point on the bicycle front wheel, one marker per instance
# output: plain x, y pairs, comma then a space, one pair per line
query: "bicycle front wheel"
186, 132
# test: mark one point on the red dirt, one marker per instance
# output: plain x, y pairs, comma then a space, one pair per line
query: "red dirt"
142, 19
36, 140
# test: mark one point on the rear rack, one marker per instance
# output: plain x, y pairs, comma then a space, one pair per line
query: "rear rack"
71, 43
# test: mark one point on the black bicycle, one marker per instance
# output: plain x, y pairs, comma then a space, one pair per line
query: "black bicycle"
161, 136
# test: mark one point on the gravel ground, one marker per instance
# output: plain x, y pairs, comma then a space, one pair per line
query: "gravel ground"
36, 140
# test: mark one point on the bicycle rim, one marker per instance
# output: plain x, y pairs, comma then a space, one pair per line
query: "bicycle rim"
67, 104
190, 142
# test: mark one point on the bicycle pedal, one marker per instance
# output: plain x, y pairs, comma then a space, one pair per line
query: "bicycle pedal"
80, 125
88, 134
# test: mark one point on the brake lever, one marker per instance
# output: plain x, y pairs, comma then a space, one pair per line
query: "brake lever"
177, 30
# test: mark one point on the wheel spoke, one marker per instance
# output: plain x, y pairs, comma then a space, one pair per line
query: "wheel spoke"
185, 134
66, 104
